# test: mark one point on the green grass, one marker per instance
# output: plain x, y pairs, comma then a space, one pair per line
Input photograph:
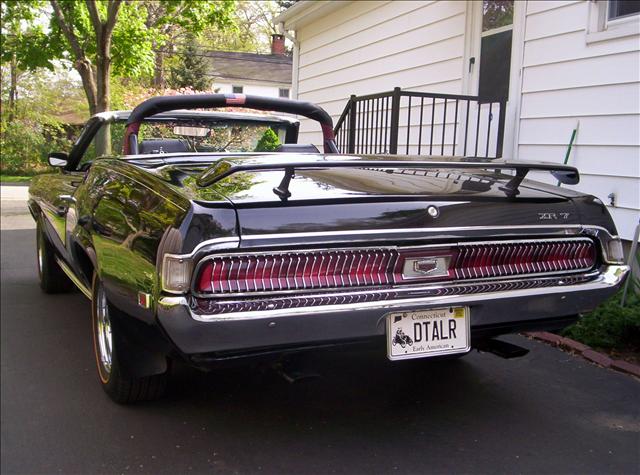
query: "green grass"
14, 179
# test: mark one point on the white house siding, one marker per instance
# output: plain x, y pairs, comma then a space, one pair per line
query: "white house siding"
566, 79
368, 47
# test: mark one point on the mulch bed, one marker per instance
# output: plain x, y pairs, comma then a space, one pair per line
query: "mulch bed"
625, 362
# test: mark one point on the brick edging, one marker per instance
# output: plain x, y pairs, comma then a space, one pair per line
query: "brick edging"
586, 352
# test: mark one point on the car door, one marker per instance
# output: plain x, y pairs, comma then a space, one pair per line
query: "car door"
58, 190
76, 224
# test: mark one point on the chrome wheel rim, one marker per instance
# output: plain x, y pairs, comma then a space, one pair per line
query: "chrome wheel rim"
40, 258
103, 330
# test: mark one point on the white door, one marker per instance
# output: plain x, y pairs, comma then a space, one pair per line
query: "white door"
489, 73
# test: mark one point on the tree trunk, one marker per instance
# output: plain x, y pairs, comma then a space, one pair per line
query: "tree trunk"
83, 66
103, 101
158, 73
13, 87
103, 73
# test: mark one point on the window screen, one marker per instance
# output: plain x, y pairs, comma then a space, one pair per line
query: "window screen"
495, 65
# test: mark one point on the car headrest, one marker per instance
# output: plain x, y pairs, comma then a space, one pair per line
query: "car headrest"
152, 146
297, 148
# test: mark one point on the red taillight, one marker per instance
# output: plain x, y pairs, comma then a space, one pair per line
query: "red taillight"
493, 260
323, 269
297, 270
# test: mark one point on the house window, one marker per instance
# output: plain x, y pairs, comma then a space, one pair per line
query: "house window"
237, 89
623, 8
495, 50
496, 14
612, 19
283, 93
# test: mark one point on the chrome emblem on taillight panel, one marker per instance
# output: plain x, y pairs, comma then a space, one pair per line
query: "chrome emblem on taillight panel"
425, 266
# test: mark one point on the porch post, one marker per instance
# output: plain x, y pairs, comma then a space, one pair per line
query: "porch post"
395, 120
353, 111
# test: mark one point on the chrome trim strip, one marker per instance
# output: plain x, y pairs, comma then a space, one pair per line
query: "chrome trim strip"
218, 243
72, 276
611, 276
367, 292
577, 227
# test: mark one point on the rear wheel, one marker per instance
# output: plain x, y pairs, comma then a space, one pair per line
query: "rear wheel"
121, 389
53, 280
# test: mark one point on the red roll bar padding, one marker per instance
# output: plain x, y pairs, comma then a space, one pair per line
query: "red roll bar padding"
155, 105
131, 130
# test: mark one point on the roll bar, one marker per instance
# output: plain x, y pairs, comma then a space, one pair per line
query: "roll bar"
155, 105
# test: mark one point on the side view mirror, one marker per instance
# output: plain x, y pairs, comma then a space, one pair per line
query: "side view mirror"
58, 159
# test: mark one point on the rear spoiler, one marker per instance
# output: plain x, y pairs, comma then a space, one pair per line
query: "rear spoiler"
155, 105
563, 173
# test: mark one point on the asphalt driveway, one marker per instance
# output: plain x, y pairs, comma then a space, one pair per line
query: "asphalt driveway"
548, 412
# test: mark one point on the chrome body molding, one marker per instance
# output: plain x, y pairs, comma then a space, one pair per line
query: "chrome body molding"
211, 245
566, 229
370, 235
223, 307
609, 278
72, 276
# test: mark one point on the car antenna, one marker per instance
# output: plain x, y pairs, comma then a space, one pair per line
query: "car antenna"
282, 190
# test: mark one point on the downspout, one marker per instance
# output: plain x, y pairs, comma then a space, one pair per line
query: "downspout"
295, 73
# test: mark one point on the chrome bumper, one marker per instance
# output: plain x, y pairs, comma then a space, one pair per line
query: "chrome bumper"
248, 330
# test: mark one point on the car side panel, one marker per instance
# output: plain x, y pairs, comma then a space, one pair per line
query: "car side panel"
122, 218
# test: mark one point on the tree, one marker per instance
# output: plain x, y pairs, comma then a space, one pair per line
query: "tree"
191, 70
101, 37
173, 20
95, 79
254, 23
496, 13
268, 142
47, 102
14, 15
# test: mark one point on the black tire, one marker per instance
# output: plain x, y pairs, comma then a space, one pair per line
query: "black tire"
53, 280
121, 389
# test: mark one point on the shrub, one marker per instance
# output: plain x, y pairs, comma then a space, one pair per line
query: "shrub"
37, 123
612, 326
25, 145
268, 142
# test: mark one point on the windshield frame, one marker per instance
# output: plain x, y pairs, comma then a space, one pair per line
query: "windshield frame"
95, 123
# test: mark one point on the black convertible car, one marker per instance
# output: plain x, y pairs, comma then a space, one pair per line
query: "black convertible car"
193, 243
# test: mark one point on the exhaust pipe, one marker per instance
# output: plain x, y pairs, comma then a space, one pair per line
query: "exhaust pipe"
502, 349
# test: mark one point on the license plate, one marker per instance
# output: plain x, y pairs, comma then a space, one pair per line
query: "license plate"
424, 333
